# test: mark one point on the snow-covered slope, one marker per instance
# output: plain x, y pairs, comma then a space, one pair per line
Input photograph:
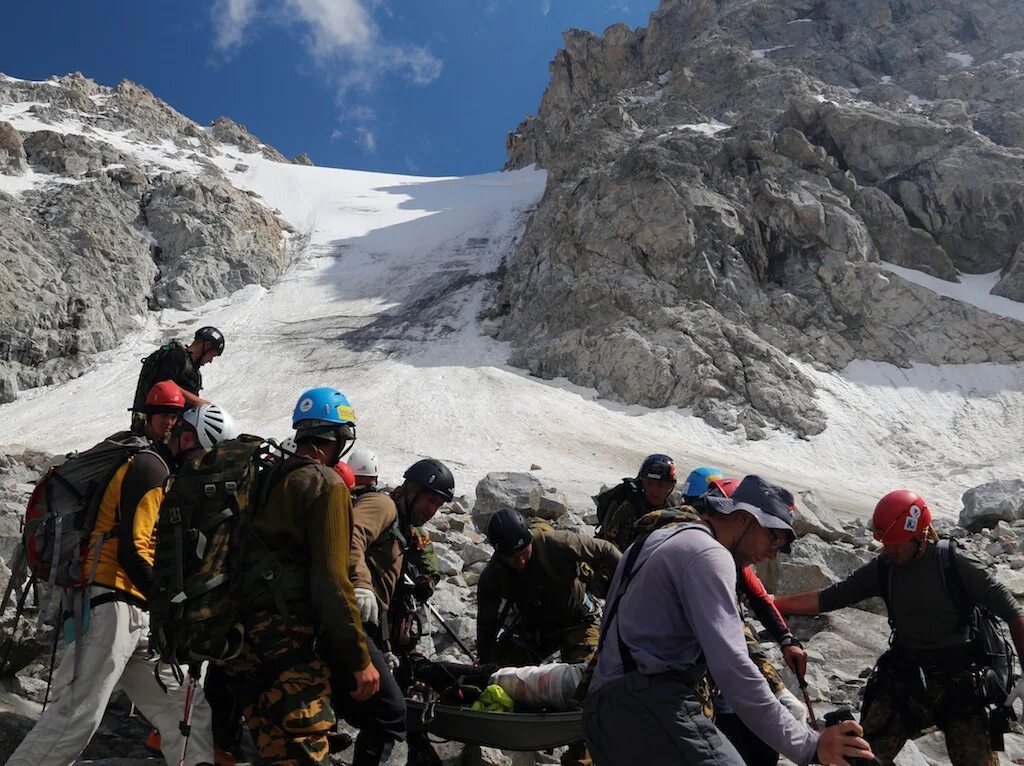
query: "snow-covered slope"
384, 305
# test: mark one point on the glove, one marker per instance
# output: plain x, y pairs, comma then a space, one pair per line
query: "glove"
423, 588
1016, 693
392, 660
369, 609
793, 705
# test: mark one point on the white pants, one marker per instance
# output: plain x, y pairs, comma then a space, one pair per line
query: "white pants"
112, 655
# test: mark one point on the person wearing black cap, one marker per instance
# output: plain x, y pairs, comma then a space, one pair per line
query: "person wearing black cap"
176, 362
619, 508
672, 614
536, 572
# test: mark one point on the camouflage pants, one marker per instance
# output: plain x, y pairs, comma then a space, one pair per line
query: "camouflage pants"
899, 706
284, 690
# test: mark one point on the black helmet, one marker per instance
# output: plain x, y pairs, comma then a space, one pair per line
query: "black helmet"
658, 467
508, 532
433, 475
211, 335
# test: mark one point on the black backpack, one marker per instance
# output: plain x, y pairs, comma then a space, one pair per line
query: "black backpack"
611, 499
996, 660
147, 375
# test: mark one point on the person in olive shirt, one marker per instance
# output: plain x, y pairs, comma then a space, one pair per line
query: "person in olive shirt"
283, 686
537, 573
390, 555
925, 678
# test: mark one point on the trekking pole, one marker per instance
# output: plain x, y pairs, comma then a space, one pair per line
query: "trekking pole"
433, 610
185, 727
807, 701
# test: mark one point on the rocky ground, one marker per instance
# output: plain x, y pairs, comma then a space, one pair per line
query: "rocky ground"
842, 645
726, 184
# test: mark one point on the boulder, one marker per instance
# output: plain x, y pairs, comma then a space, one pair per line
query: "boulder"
498, 490
815, 564
814, 517
987, 504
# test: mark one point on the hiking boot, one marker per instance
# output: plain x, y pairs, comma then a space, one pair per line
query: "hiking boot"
339, 741
421, 752
153, 741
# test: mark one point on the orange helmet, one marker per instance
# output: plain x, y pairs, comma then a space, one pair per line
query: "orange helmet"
899, 517
345, 472
165, 396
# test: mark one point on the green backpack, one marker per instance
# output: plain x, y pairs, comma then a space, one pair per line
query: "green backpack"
210, 566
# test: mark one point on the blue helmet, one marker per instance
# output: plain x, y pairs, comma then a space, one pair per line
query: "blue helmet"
324, 413
699, 479
658, 467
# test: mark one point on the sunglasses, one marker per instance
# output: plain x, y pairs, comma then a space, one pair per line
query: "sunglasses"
778, 539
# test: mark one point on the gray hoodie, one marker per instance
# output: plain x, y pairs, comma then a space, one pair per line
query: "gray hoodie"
680, 605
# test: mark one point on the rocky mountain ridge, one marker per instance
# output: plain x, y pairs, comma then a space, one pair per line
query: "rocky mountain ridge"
113, 205
727, 185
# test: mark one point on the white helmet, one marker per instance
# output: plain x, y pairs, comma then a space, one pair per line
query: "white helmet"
212, 424
363, 462
288, 445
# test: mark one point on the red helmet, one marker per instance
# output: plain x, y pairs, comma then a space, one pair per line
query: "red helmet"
165, 396
723, 486
899, 517
345, 472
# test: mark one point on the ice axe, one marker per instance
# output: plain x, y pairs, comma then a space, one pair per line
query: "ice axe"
433, 610
807, 701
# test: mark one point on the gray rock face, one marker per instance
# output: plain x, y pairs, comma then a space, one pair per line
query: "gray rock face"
211, 238
988, 504
12, 151
108, 233
716, 213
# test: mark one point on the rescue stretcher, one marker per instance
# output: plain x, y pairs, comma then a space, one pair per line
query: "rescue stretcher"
505, 731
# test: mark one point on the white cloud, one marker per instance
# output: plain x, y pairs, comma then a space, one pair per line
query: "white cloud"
341, 36
336, 27
545, 7
345, 43
230, 18
366, 138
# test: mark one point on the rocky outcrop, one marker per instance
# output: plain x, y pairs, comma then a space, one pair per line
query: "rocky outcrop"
124, 214
210, 239
227, 131
725, 183
988, 504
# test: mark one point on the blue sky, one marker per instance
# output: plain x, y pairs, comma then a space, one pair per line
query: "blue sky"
427, 87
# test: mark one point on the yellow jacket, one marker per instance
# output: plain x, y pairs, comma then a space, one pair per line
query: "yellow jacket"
127, 520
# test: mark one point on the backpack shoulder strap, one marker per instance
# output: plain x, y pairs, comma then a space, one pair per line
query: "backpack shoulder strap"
629, 572
952, 584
